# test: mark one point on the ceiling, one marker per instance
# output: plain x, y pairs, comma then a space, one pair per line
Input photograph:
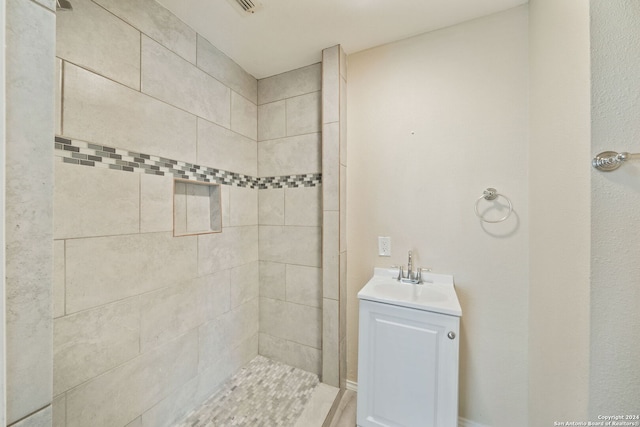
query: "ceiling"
287, 34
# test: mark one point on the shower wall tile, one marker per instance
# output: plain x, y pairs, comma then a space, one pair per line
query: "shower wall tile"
49, 4
58, 97
30, 87
215, 296
303, 114
106, 269
59, 411
102, 202
244, 116
90, 343
272, 121
292, 245
103, 112
225, 196
243, 206
271, 206
170, 78
330, 84
330, 340
170, 312
135, 423
224, 149
304, 325
303, 206
221, 251
173, 408
58, 278
331, 254
291, 353
96, 40
304, 285
244, 322
157, 22
290, 156
343, 122
343, 208
273, 317
244, 283
223, 68
272, 280
331, 166
133, 387
42, 418
156, 207
290, 84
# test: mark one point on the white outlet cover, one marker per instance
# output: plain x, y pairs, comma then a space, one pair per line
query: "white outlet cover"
384, 246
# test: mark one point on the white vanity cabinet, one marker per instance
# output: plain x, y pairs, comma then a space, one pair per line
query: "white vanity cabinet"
407, 358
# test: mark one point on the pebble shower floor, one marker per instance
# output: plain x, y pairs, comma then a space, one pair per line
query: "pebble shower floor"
264, 393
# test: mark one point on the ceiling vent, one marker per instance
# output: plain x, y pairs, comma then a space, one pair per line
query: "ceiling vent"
248, 6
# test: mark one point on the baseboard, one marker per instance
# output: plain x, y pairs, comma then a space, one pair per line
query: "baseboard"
462, 422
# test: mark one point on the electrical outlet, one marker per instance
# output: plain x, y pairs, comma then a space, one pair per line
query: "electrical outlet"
384, 246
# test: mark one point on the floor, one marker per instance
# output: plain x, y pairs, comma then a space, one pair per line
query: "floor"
264, 393
346, 413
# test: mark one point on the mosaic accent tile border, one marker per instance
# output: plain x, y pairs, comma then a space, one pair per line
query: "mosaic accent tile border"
264, 393
87, 154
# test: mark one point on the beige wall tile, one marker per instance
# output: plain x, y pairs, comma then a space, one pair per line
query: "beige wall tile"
330, 350
98, 110
214, 294
330, 255
271, 206
134, 386
42, 418
90, 343
291, 353
245, 284
304, 114
105, 269
58, 97
172, 409
156, 203
331, 167
225, 194
343, 122
304, 285
291, 245
176, 81
59, 411
30, 56
331, 84
303, 206
221, 251
304, 325
244, 116
94, 39
135, 423
214, 342
227, 150
220, 66
58, 278
272, 121
290, 156
50, 4
343, 208
243, 206
273, 317
272, 280
157, 22
90, 201
343, 63
244, 322
168, 313
289, 84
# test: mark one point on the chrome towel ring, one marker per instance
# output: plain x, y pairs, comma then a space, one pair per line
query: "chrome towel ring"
492, 194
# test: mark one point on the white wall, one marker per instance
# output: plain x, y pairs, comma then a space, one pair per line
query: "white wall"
559, 157
432, 121
615, 209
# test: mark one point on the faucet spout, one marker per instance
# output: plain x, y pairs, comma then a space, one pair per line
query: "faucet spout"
410, 267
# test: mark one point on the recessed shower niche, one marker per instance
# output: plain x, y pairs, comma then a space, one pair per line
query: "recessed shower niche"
196, 208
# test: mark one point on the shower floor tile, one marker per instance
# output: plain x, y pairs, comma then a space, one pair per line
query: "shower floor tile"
263, 393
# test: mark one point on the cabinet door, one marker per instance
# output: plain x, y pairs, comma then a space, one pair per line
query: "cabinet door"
407, 367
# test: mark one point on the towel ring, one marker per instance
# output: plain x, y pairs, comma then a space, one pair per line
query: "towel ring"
492, 194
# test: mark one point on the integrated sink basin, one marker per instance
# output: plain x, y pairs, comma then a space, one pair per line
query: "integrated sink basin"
436, 294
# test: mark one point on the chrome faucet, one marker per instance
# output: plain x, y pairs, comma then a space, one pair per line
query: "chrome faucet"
410, 268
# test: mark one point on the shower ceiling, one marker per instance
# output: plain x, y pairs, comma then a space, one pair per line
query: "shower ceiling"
286, 34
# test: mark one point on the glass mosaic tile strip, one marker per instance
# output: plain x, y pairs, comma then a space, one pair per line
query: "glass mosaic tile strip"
86, 154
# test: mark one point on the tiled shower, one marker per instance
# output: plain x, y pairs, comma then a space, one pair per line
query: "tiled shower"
147, 325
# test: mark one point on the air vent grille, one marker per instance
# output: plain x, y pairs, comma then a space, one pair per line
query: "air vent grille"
248, 6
